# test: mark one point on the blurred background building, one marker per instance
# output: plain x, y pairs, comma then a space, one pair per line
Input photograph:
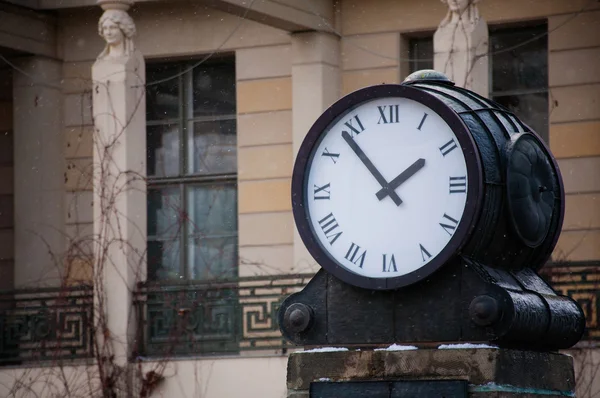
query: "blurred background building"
232, 86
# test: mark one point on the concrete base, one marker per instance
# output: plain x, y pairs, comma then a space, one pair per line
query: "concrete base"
489, 372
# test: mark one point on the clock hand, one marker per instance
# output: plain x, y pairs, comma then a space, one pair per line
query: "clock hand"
402, 177
371, 167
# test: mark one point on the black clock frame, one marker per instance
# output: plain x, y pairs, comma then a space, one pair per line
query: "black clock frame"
300, 177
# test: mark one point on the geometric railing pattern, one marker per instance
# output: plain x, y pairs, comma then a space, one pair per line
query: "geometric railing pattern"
46, 324
238, 315
582, 284
217, 317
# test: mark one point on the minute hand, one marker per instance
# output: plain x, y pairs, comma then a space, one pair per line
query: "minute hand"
402, 177
371, 167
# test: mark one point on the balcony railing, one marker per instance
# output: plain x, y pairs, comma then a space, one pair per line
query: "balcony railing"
46, 324
582, 284
224, 317
232, 316
221, 317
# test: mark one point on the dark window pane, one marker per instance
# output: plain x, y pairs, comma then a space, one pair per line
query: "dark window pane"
421, 54
530, 108
212, 247
212, 258
163, 260
212, 209
214, 90
163, 150
162, 100
525, 67
212, 147
164, 212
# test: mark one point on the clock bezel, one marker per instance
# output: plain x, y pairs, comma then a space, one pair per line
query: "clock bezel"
300, 176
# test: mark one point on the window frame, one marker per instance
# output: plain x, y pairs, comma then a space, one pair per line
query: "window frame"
184, 180
542, 26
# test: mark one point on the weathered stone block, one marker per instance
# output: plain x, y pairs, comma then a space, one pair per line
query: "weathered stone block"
490, 372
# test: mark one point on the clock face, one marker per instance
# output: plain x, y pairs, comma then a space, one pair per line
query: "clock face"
385, 190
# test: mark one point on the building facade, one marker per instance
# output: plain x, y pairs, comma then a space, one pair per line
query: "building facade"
219, 97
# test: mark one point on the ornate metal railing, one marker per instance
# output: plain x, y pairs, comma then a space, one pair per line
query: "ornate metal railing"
230, 316
582, 284
46, 324
219, 317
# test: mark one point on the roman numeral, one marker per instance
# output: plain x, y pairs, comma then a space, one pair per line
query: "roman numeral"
323, 192
422, 121
448, 147
424, 253
354, 129
451, 227
392, 264
332, 156
392, 113
329, 226
458, 184
353, 255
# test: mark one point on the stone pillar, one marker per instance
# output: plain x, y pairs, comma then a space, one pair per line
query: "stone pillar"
465, 371
316, 84
460, 46
119, 105
39, 186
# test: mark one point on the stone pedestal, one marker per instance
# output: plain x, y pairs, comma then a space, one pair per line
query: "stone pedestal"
482, 372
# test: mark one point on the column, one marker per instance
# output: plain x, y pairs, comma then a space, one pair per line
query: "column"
461, 46
39, 187
316, 84
119, 105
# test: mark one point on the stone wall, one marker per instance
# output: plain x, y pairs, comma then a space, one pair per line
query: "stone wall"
264, 103
574, 86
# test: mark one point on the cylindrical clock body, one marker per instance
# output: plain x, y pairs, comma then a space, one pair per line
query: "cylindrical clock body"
522, 209
393, 181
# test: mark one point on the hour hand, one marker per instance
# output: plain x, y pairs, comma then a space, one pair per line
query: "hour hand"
371, 167
402, 177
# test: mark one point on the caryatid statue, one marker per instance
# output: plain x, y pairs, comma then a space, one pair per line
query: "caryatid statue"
461, 11
117, 28
460, 46
119, 139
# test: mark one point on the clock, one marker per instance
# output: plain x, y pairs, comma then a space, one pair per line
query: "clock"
386, 187
424, 196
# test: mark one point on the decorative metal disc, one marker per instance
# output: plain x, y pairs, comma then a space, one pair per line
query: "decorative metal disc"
531, 189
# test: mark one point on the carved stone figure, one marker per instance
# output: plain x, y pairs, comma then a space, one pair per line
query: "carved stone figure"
461, 45
117, 28
465, 11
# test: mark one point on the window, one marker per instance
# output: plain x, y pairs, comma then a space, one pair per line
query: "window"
421, 53
518, 70
192, 164
519, 77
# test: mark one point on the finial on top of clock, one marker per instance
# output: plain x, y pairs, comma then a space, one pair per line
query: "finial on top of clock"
428, 75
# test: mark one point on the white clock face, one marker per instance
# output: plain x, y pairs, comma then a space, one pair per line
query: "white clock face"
386, 187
